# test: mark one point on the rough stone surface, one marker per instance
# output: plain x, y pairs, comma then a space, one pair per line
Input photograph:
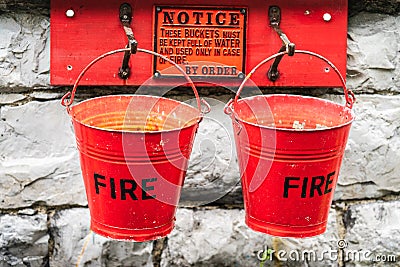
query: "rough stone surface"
221, 238
39, 159
70, 229
370, 167
373, 230
24, 50
38, 95
23, 240
11, 98
377, 6
40, 6
373, 53
213, 169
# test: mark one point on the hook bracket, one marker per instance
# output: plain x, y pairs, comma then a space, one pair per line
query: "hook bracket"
125, 17
274, 15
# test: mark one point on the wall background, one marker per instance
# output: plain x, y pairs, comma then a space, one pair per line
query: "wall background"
44, 218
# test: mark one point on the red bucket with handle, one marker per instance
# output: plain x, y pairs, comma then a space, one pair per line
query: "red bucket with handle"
134, 152
290, 149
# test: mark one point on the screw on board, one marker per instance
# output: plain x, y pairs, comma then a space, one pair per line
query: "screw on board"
327, 17
70, 13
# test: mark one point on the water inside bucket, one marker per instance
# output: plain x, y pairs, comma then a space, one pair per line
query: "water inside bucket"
135, 113
289, 112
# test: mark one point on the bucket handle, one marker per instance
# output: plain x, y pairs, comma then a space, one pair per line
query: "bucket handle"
69, 97
349, 95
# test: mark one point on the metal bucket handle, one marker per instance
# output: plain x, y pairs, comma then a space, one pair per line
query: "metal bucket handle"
69, 97
349, 95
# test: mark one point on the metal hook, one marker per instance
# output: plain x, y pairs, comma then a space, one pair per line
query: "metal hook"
125, 16
349, 95
207, 106
274, 15
69, 97
228, 111
351, 99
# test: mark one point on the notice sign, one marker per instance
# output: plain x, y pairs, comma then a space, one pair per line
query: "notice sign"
206, 42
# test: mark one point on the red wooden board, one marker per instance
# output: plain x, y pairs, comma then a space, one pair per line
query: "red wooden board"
95, 28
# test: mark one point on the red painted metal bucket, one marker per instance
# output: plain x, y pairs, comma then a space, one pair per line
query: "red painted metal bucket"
134, 152
290, 149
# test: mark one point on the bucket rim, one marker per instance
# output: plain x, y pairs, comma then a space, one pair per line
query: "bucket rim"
191, 123
231, 105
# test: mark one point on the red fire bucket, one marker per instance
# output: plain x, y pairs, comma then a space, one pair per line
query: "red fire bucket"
290, 149
134, 152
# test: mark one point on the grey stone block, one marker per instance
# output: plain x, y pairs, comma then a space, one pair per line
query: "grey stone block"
220, 238
23, 240
376, 6
372, 236
39, 160
70, 229
40, 95
11, 98
213, 169
41, 6
24, 50
370, 167
373, 58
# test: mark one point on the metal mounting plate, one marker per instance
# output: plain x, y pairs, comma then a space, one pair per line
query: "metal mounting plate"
94, 28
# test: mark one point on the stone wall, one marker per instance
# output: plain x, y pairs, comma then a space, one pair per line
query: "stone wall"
44, 220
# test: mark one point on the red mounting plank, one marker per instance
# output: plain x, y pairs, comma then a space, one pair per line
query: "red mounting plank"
95, 29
